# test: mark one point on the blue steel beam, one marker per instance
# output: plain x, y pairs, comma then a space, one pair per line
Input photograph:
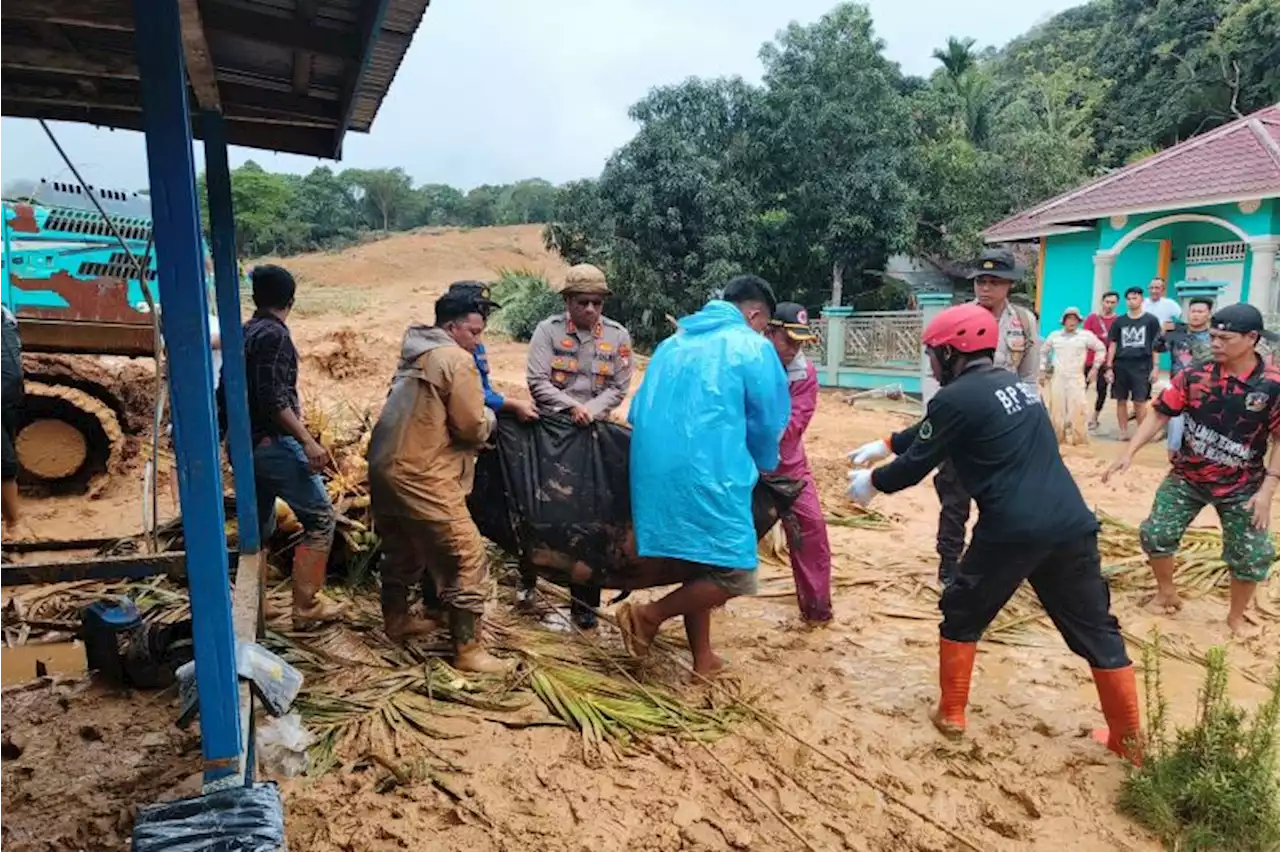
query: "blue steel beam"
227, 283
184, 312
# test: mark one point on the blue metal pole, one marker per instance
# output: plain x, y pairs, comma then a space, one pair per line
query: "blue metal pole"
184, 313
222, 230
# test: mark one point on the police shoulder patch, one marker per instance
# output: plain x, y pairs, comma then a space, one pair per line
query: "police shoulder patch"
926, 430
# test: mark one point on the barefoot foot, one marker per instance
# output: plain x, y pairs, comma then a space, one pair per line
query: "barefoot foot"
1166, 603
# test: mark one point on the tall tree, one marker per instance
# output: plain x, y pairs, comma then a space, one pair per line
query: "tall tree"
838, 158
385, 194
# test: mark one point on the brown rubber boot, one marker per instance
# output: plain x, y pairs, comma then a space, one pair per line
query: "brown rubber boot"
469, 654
397, 621
955, 670
310, 607
1118, 693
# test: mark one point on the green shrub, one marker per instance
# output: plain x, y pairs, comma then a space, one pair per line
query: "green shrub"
526, 300
1216, 785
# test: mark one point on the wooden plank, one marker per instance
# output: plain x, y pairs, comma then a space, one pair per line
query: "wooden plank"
132, 567
280, 30
86, 14
200, 70
246, 618
97, 63
304, 14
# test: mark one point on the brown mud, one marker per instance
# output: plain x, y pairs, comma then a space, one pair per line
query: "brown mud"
858, 691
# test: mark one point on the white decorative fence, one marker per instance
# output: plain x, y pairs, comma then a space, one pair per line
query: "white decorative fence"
883, 339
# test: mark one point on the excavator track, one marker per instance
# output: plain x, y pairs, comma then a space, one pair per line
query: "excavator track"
70, 433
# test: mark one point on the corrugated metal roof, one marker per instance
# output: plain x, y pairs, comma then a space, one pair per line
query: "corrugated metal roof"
1236, 162
288, 75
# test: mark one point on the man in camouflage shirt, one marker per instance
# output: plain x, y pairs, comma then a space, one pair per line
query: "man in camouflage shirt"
1230, 459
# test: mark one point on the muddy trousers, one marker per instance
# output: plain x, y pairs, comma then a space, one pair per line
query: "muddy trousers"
953, 516
1068, 402
810, 554
450, 553
1067, 578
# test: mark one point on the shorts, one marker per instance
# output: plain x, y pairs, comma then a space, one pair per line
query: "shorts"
736, 581
1247, 550
1132, 381
9, 453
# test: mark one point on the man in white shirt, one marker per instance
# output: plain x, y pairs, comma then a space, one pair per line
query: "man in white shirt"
1161, 306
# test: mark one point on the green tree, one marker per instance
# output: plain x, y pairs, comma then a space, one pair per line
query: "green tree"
385, 195
838, 160
437, 204
526, 201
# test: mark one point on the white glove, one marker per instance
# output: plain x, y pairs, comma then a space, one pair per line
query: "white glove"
868, 453
860, 488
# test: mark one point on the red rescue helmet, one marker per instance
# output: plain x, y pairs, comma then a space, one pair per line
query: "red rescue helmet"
965, 328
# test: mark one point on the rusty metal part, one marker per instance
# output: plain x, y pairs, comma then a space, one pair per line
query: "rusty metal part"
84, 402
83, 337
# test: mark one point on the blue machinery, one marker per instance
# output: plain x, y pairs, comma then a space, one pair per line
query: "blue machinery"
343, 55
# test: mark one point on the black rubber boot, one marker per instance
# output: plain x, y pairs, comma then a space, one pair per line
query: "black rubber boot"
585, 602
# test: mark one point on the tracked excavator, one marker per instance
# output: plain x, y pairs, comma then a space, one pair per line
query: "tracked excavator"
84, 305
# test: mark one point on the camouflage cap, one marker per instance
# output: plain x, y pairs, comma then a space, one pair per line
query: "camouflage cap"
583, 279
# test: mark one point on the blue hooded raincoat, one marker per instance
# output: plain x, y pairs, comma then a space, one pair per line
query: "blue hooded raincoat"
707, 418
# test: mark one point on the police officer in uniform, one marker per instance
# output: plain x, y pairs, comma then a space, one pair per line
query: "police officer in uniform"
580, 367
580, 360
1017, 349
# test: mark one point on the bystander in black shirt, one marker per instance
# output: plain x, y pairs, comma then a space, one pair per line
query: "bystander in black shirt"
1000, 440
271, 369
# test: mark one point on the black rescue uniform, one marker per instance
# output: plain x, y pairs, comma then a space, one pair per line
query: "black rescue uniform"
1033, 524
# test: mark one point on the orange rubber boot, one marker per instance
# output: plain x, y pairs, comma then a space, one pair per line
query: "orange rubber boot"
955, 670
1118, 693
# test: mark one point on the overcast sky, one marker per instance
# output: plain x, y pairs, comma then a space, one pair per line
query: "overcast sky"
496, 90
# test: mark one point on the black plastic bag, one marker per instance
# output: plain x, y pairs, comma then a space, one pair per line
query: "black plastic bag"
558, 496
238, 819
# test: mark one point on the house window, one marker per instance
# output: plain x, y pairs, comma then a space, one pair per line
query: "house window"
1216, 253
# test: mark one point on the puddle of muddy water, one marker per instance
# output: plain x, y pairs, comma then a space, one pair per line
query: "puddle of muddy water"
19, 664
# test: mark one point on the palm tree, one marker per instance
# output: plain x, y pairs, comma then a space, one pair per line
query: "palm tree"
958, 57
967, 80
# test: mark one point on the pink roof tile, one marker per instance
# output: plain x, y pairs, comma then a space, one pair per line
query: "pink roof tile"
1237, 161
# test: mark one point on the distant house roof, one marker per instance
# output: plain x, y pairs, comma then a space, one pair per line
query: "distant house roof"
920, 274
1236, 162
287, 75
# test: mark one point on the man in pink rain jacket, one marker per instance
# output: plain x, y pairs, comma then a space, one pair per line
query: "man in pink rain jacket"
810, 551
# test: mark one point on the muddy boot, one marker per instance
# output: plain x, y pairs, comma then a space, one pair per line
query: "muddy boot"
1118, 694
310, 607
397, 621
469, 653
955, 670
584, 601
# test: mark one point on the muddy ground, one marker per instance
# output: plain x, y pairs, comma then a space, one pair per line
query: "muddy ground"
77, 761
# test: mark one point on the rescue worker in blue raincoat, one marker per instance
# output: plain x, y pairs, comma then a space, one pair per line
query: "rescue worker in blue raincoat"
707, 420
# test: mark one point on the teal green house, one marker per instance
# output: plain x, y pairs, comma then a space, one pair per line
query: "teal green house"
1204, 215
